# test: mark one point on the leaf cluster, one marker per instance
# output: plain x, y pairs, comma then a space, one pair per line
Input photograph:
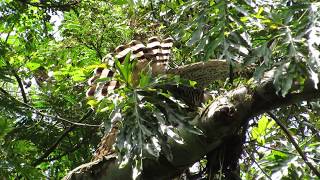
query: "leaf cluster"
146, 115
49, 48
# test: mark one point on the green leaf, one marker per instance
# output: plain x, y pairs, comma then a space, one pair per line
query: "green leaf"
193, 129
78, 75
23, 146
259, 133
316, 144
200, 47
33, 66
125, 68
213, 44
103, 79
145, 78
92, 102
39, 104
137, 169
262, 124
283, 78
286, 85
314, 77
124, 161
292, 50
119, 2
279, 155
5, 127
145, 130
255, 133
192, 83
196, 36
154, 147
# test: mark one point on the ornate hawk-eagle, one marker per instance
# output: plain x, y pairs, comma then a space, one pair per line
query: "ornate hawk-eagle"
155, 54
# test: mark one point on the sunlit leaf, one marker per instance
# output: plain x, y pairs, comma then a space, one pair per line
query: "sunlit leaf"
196, 36
5, 127
33, 66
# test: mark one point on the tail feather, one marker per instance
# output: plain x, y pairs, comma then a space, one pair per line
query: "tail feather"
106, 145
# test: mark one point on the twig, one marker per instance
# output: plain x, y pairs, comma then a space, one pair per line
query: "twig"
66, 132
5, 92
286, 152
96, 49
33, 109
253, 159
76, 147
24, 96
66, 120
55, 144
153, 11
294, 143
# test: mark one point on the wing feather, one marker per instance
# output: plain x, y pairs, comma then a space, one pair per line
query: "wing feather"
102, 89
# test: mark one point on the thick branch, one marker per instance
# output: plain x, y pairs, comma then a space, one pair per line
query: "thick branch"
223, 118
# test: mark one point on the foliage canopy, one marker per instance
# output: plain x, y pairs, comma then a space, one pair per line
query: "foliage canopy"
48, 49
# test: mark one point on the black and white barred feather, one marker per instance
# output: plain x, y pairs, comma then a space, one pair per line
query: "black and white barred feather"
156, 54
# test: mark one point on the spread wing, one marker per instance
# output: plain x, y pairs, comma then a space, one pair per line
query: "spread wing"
156, 53
103, 82
161, 51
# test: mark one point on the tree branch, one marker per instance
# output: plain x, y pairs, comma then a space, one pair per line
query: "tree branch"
24, 96
76, 147
23, 93
223, 118
285, 152
56, 143
33, 109
261, 169
6, 93
294, 143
